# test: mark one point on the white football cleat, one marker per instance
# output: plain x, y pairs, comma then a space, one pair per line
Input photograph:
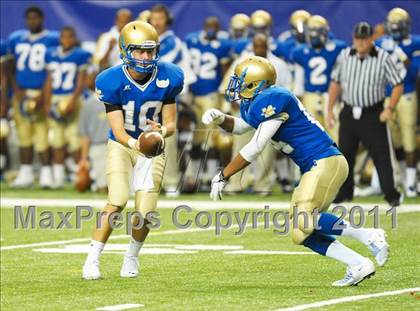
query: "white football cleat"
378, 246
46, 177
356, 274
91, 270
130, 267
411, 192
25, 177
367, 192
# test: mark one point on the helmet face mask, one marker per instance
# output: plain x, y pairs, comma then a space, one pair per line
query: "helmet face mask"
138, 38
235, 87
250, 77
297, 23
137, 63
398, 24
239, 24
299, 33
317, 31
316, 37
398, 31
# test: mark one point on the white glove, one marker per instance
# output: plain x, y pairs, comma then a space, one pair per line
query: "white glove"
213, 116
217, 184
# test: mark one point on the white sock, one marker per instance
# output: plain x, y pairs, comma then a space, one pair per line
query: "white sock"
134, 248
410, 177
403, 167
95, 250
2, 161
46, 169
26, 170
342, 253
59, 174
282, 167
360, 234
374, 182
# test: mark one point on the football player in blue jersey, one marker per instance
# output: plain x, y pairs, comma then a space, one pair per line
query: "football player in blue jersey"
239, 33
66, 66
139, 96
404, 47
28, 47
239, 26
313, 64
289, 39
209, 60
280, 118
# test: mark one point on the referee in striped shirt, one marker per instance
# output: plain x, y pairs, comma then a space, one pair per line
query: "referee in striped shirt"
360, 75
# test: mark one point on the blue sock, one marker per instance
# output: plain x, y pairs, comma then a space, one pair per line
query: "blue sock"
318, 242
326, 222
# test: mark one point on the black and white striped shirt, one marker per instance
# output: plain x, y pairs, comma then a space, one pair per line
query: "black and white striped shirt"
363, 81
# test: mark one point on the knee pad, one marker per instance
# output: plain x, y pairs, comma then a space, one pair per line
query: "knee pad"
298, 236
146, 202
118, 200
302, 218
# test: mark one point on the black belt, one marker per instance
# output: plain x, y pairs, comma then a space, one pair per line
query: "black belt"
376, 107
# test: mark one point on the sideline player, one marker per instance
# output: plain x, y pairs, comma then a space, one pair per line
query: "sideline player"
139, 96
66, 66
405, 48
280, 118
28, 47
314, 62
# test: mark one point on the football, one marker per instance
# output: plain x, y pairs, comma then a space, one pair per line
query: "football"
82, 180
151, 144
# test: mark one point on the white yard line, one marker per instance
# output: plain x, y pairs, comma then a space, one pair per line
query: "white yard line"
6, 202
115, 237
335, 301
120, 307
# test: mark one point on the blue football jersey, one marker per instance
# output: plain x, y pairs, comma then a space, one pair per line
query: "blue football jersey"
411, 49
239, 45
317, 64
29, 51
284, 48
139, 102
170, 49
300, 137
206, 60
64, 68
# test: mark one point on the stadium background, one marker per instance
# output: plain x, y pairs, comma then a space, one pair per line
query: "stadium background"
91, 17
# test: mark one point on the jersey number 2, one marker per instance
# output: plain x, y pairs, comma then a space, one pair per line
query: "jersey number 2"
318, 66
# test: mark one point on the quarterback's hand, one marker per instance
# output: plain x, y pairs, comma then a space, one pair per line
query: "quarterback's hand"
84, 163
213, 116
217, 184
154, 126
386, 115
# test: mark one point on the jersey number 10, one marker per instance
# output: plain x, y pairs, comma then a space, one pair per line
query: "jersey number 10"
148, 110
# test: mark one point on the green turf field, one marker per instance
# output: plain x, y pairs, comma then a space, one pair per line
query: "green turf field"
194, 269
